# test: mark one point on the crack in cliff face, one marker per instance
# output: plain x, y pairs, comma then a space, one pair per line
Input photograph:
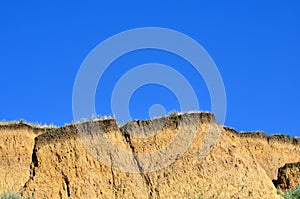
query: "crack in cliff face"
67, 185
146, 177
34, 164
34, 158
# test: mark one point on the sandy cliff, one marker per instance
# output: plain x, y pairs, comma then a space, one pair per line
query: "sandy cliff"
58, 162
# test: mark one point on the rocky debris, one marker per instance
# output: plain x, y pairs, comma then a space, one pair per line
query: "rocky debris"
288, 176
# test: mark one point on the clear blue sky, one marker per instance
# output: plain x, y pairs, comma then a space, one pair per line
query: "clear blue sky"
255, 44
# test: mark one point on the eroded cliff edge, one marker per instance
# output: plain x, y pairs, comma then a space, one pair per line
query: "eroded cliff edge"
56, 162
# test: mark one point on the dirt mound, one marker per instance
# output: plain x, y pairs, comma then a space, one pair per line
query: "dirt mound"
288, 176
64, 163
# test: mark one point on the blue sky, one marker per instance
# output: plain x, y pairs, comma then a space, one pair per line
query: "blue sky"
255, 45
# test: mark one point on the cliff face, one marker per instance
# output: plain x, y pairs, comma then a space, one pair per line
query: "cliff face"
216, 161
16, 146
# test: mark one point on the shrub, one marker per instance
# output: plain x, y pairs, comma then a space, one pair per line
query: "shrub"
291, 194
13, 196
